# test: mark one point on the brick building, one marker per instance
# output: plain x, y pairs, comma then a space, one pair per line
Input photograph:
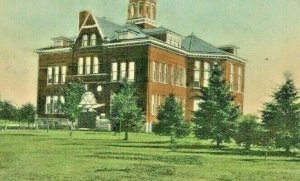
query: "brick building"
160, 62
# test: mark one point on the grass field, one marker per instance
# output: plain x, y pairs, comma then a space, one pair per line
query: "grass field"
38, 155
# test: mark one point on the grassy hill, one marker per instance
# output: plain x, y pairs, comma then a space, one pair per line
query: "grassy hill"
38, 155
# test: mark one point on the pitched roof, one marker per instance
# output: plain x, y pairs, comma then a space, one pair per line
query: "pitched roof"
194, 44
107, 27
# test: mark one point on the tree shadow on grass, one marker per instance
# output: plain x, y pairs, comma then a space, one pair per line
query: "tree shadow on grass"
165, 145
170, 159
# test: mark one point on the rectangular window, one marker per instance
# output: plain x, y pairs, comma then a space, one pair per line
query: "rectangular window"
153, 107
61, 101
123, 70
114, 71
159, 72
154, 71
131, 75
48, 109
80, 66
165, 73
172, 77
231, 83
56, 75
63, 74
206, 74
55, 105
95, 65
49, 75
196, 105
197, 74
240, 75
88, 66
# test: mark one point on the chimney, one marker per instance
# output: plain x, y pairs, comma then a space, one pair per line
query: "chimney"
82, 16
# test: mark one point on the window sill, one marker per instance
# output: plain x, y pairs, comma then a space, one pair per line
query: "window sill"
81, 75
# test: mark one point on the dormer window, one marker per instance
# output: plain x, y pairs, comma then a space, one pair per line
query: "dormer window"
174, 40
85, 40
93, 40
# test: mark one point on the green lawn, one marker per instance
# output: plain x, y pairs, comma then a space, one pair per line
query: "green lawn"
38, 155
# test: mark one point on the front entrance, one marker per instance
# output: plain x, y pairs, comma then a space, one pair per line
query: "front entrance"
87, 120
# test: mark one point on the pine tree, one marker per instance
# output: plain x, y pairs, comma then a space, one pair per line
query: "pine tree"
281, 116
171, 120
125, 111
247, 131
217, 113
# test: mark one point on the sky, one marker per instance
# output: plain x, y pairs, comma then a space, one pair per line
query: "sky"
267, 33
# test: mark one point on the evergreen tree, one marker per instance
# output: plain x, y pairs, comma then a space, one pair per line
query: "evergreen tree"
171, 120
73, 95
281, 116
217, 114
125, 111
247, 131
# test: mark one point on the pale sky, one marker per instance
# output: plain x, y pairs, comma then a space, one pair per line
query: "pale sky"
261, 28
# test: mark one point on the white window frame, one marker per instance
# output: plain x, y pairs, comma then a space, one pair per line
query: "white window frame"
56, 75
206, 74
85, 40
122, 70
231, 77
131, 71
63, 74
114, 71
88, 65
240, 80
50, 75
95, 65
154, 72
93, 40
197, 74
48, 105
80, 66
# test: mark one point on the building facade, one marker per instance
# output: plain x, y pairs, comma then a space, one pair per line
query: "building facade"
159, 61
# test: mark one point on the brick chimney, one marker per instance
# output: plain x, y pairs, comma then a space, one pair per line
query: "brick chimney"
82, 16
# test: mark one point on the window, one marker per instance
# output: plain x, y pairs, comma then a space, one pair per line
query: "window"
159, 72
154, 70
54, 104
240, 75
63, 74
123, 70
141, 8
206, 74
197, 74
114, 72
231, 83
49, 75
56, 75
88, 66
155, 104
85, 40
196, 105
61, 101
48, 105
93, 40
80, 66
132, 10
165, 73
172, 75
96, 65
131, 75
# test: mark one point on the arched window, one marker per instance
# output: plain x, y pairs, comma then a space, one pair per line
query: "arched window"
148, 10
153, 11
141, 8
132, 10
93, 40
85, 40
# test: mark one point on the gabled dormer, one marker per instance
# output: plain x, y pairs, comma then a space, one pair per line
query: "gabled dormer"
94, 30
